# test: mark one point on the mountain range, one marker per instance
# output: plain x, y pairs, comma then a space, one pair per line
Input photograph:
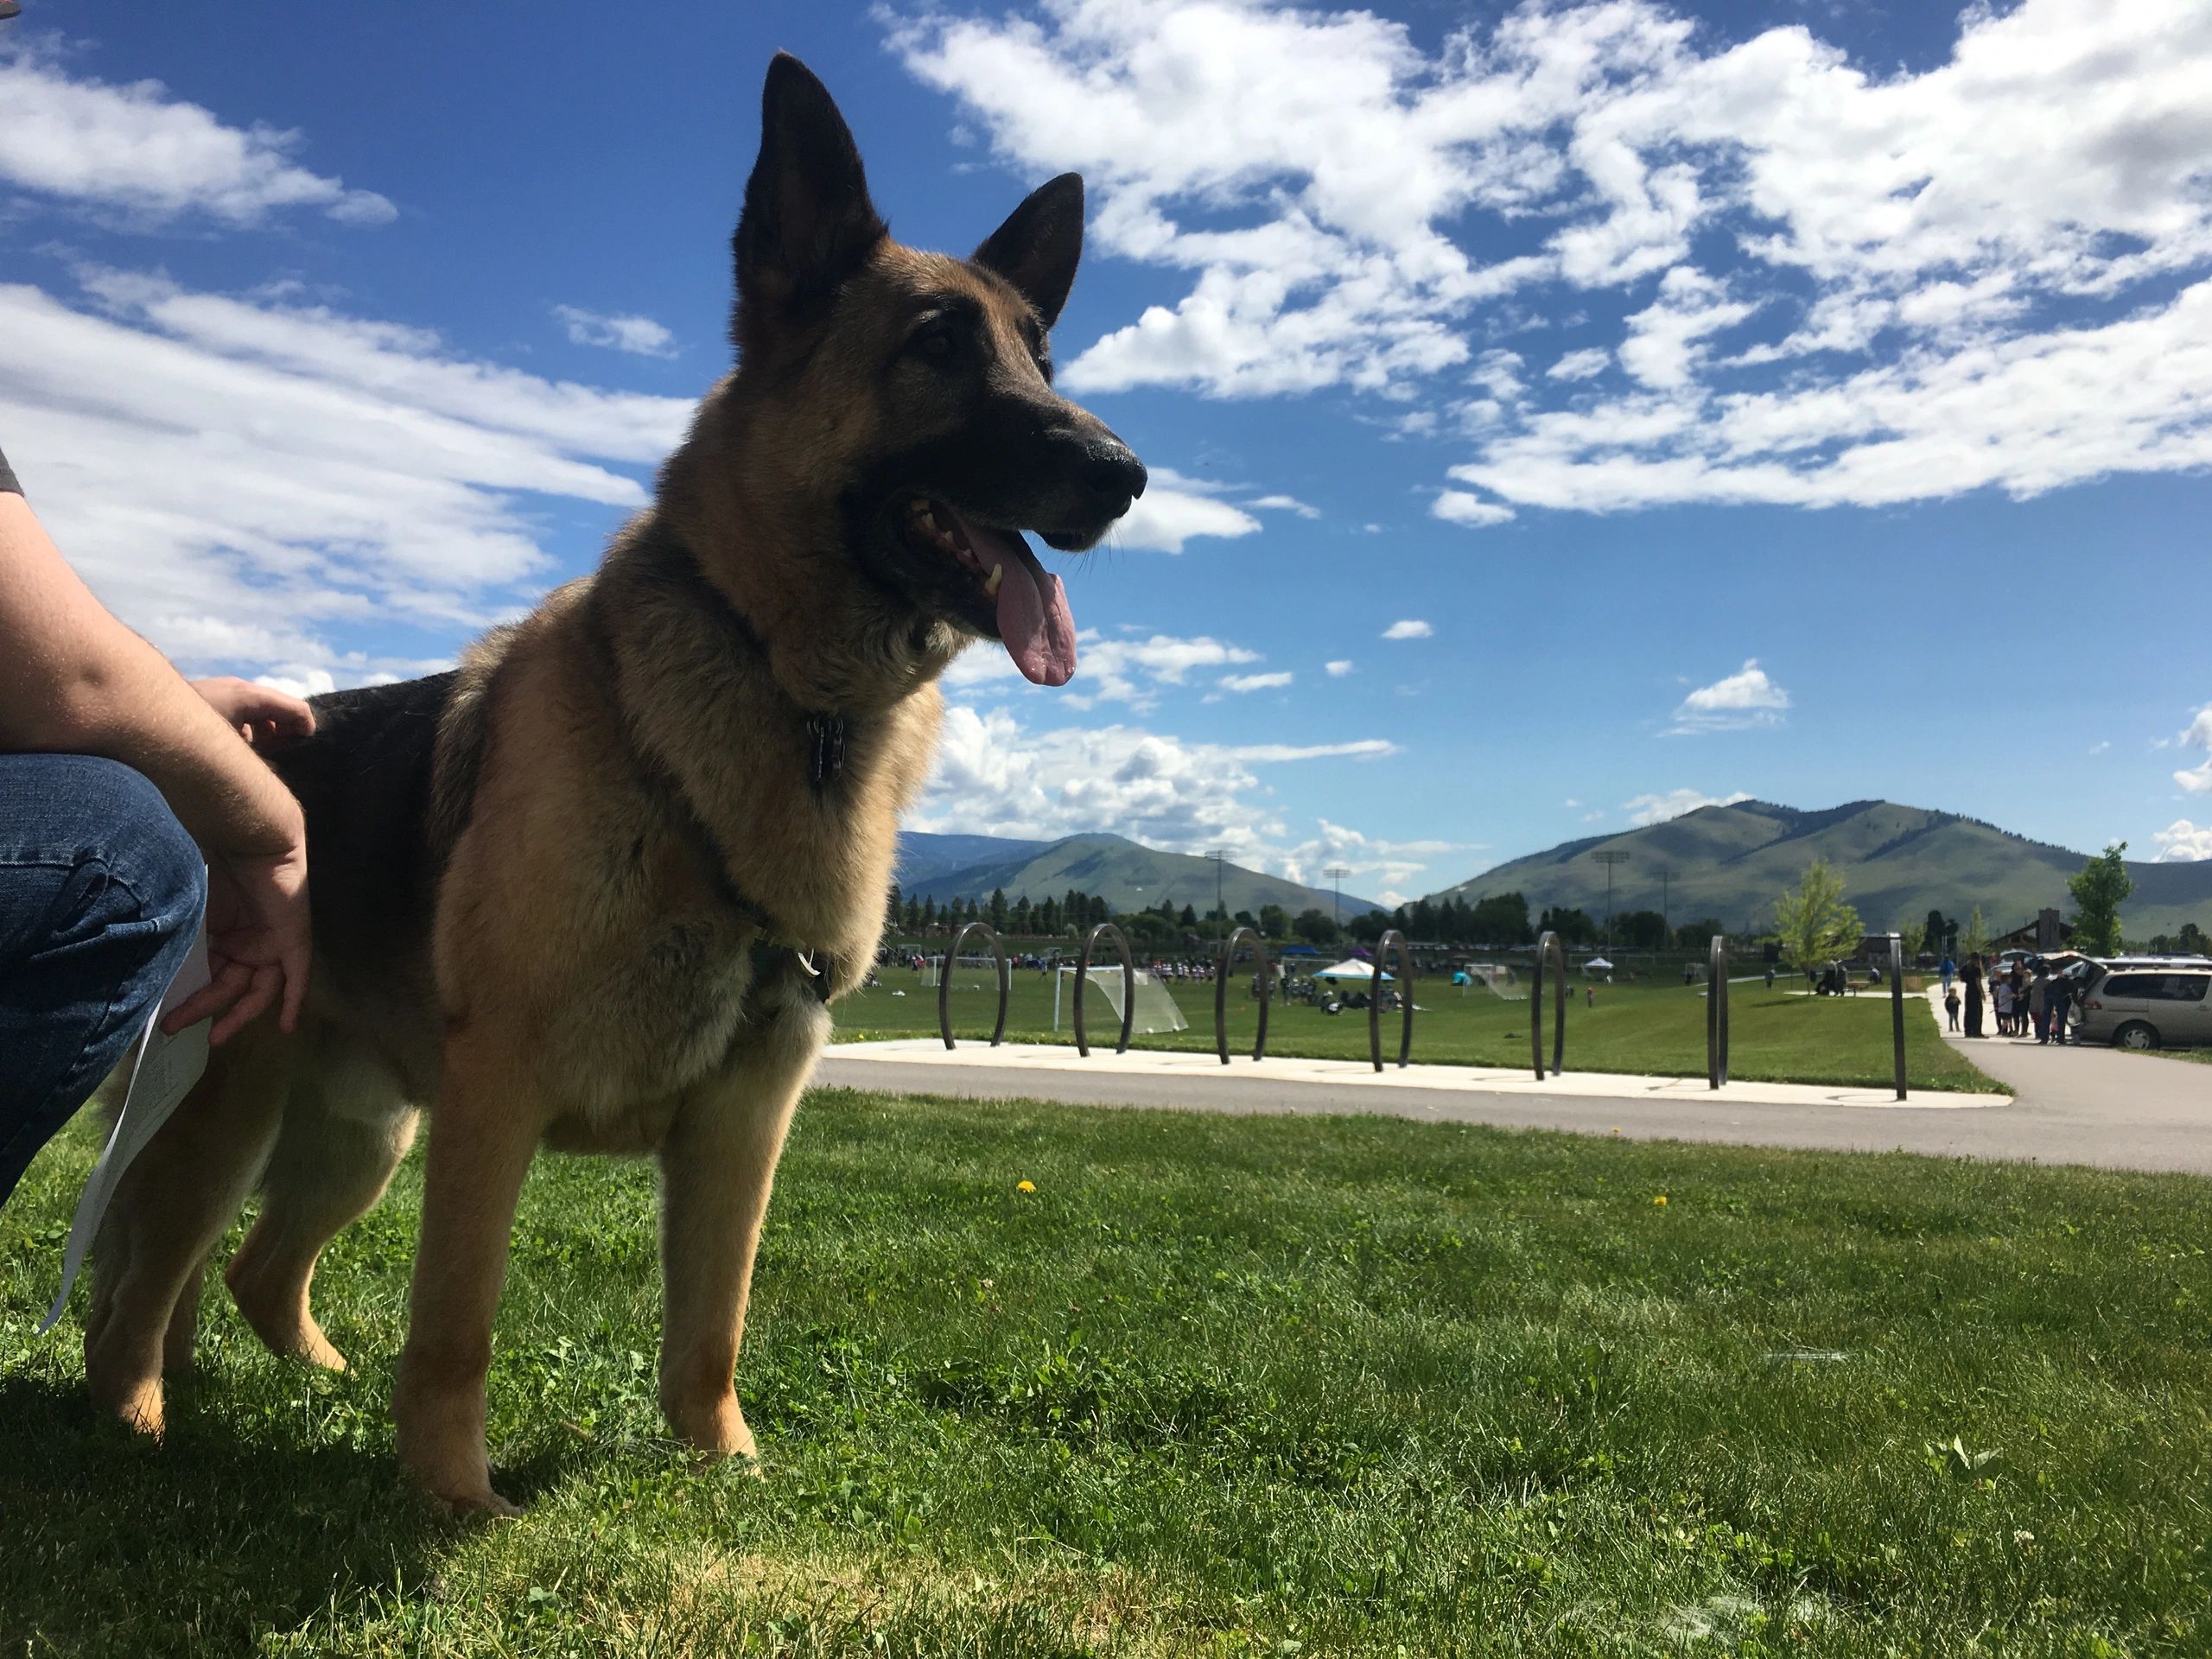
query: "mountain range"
1129, 876
1897, 862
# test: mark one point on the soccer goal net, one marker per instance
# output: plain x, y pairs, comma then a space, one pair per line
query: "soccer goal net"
1156, 1010
1495, 977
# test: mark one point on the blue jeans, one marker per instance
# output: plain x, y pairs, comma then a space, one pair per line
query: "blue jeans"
101, 892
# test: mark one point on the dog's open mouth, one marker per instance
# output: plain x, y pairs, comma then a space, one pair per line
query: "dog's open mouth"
1032, 607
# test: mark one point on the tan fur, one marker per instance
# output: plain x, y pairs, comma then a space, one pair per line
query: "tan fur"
587, 979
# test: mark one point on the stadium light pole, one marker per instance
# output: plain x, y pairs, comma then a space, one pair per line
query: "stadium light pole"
1218, 859
1666, 922
1609, 858
1336, 872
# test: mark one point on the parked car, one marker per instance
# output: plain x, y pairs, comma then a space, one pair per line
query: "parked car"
2132, 1006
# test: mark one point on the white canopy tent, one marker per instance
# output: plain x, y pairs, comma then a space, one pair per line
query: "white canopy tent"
1351, 968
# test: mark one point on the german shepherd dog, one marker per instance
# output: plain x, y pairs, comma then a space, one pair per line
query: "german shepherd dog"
594, 889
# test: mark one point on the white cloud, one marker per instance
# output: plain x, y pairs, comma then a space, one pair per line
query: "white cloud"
1163, 519
138, 152
2182, 842
1133, 671
1408, 628
1287, 504
1657, 809
996, 776
1744, 699
639, 336
246, 482
1988, 273
1458, 507
2197, 780
1339, 668
1273, 681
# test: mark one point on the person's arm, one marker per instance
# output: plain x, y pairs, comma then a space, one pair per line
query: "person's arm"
74, 680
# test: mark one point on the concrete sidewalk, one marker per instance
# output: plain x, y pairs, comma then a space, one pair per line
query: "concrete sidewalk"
2115, 1120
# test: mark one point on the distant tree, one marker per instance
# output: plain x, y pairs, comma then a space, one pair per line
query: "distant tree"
1698, 934
1640, 930
2100, 888
913, 914
1814, 923
2190, 940
1975, 939
1245, 919
1315, 927
1149, 930
997, 913
1024, 921
1188, 917
1499, 918
1573, 926
1368, 927
893, 909
929, 911
1274, 921
1937, 932
1914, 936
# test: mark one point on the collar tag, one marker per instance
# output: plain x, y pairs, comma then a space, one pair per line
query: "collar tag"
826, 736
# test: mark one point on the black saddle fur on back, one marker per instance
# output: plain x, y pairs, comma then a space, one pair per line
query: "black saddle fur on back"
364, 781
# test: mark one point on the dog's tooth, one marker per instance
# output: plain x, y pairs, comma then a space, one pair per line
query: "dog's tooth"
998, 575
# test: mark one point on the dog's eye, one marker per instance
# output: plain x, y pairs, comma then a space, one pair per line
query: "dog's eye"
937, 344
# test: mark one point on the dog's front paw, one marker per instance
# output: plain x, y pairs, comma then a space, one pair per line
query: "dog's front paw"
716, 1425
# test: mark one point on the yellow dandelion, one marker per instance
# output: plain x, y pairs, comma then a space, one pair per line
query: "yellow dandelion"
1661, 1201
1025, 1186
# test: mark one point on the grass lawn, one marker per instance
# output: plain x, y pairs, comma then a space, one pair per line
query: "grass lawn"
1658, 1030
1219, 1386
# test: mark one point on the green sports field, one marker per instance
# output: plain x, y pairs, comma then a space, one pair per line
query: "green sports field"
1657, 1030
1215, 1386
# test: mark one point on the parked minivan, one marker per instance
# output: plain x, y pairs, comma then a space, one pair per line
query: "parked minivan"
2146, 1006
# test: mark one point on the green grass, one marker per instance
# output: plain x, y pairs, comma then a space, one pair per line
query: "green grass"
1657, 1030
1219, 1386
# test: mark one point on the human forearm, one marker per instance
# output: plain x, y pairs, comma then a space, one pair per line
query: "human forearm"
74, 679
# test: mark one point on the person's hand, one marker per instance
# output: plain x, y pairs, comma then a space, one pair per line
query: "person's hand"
264, 716
257, 944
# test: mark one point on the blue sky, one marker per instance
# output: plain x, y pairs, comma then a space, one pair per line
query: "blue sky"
1558, 416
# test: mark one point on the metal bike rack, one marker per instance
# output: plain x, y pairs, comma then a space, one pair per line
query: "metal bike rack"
1716, 1013
945, 981
1548, 950
1129, 987
1896, 1006
1221, 992
1391, 936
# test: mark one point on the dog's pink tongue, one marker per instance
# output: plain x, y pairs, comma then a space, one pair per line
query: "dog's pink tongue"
1033, 616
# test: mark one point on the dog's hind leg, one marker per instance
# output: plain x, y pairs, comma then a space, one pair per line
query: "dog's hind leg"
717, 1165
170, 1207
345, 1132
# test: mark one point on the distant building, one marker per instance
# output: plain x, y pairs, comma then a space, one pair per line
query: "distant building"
2049, 931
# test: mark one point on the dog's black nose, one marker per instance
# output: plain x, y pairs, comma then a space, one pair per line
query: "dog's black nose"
1112, 474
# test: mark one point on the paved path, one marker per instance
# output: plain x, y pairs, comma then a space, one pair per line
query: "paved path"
2157, 1111
2117, 1110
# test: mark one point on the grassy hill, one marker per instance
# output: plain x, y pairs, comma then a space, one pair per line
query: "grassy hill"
1897, 862
1131, 877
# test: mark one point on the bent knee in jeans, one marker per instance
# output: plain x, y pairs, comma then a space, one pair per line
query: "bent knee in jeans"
101, 892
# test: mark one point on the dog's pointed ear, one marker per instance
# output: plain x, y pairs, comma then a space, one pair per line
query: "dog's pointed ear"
1039, 246
808, 223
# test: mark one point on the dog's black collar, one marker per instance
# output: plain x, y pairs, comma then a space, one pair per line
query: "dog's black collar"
826, 741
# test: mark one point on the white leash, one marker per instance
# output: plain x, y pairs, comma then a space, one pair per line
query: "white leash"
167, 1068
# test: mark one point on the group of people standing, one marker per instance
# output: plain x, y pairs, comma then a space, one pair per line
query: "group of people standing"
2021, 998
